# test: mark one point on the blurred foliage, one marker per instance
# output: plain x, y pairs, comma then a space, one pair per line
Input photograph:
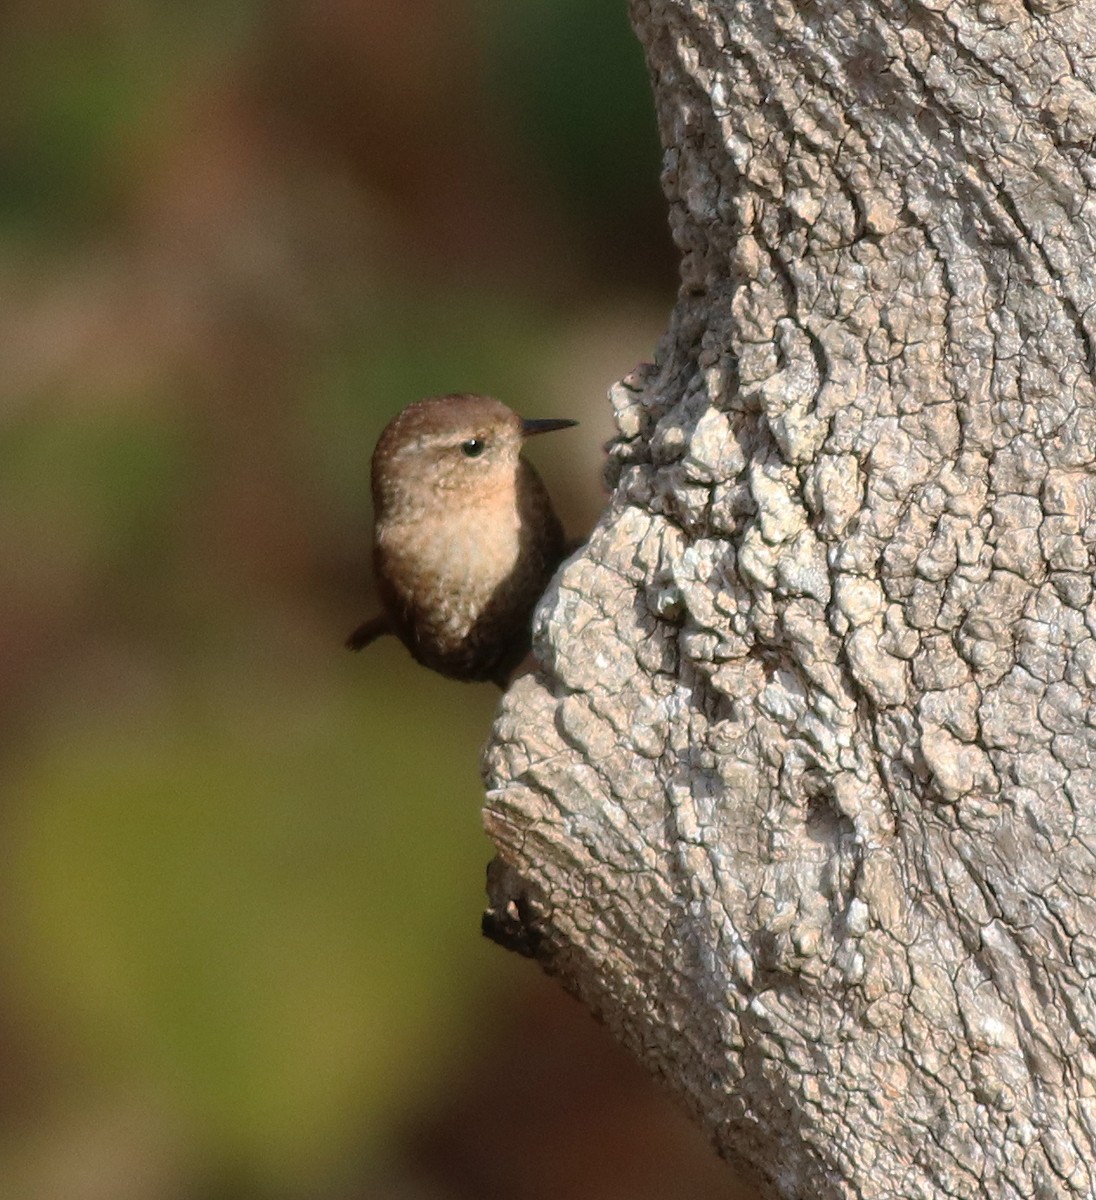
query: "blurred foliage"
84, 87
86, 490
229, 907
239, 945
568, 78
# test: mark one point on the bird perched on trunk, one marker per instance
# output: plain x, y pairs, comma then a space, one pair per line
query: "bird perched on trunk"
465, 536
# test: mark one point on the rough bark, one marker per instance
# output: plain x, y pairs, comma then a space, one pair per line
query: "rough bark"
803, 804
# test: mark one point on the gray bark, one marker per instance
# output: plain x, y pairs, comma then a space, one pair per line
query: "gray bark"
803, 803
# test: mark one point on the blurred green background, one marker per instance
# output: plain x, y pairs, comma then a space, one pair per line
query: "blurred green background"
243, 870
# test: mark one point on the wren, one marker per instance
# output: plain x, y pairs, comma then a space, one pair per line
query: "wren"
465, 537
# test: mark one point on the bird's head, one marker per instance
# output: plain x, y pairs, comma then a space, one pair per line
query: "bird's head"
449, 450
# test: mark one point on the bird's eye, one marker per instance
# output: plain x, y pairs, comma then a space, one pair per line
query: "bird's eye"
473, 448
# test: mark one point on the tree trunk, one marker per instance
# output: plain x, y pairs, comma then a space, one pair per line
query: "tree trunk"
803, 804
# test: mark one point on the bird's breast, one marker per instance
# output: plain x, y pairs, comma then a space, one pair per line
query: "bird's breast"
473, 546
445, 568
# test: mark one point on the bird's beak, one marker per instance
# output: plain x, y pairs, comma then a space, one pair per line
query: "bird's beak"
528, 428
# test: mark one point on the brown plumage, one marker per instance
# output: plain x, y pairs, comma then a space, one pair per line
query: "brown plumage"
465, 536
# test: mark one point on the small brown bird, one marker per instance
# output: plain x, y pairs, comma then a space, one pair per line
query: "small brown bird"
465, 537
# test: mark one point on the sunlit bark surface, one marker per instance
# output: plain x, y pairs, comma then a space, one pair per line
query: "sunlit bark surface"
803, 803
